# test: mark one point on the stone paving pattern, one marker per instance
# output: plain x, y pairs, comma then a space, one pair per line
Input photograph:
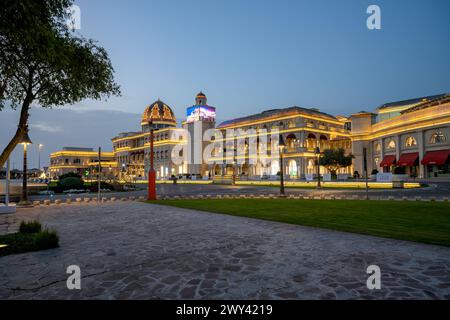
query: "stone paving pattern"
133, 250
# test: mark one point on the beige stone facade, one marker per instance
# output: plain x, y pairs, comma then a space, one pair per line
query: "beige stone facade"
411, 135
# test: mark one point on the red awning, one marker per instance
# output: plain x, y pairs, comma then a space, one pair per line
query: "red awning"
388, 161
408, 159
436, 157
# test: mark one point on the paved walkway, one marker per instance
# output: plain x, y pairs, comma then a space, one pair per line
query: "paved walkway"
134, 250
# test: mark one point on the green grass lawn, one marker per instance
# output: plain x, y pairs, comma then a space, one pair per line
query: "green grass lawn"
427, 222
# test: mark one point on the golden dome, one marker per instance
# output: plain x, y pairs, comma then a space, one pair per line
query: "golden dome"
158, 113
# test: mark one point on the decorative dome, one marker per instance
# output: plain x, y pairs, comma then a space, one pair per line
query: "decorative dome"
200, 99
158, 113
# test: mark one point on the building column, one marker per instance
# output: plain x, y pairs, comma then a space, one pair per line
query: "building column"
380, 169
421, 148
397, 147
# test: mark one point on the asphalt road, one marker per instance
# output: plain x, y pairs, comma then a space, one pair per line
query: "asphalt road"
435, 189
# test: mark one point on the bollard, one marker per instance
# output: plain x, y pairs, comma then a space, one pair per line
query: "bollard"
47, 202
68, 201
36, 203
57, 201
87, 200
78, 200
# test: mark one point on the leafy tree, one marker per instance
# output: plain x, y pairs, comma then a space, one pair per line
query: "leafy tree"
43, 62
334, 159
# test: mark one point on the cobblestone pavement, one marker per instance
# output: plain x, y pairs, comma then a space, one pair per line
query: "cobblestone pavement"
133, 250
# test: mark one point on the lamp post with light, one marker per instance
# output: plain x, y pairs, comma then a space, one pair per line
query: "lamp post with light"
281, 146
151, 171
40, 145
317, 152
25, 141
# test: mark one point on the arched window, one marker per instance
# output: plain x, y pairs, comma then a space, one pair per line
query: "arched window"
274, 167
438, 137
377, 147
391, 144
290, 141
292, 165
410, 142
291, 124
311, 141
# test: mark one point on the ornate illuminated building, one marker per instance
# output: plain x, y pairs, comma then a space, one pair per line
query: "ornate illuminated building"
303, 130
131, 149
83, 161
410, 137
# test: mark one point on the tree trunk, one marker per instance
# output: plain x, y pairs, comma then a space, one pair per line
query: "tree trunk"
21, 129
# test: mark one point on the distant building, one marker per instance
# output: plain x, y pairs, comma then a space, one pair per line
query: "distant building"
83, 161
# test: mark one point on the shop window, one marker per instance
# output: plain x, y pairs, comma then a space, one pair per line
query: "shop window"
391, 144
377, 147
410, 142
438, 137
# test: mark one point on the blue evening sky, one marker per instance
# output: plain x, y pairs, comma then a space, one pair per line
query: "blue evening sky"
248, 56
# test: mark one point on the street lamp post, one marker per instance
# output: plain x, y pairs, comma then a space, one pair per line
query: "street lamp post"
151, 171
281, 146
25, 141
317, 152
40, 145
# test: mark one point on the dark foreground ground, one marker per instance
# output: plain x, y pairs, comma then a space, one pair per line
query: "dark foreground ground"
134, 250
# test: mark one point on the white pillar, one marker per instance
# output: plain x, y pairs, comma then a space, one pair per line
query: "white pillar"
421, 148
397, 147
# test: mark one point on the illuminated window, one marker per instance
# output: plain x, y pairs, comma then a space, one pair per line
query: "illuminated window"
410, 142
437, 137
377, 147
391, 144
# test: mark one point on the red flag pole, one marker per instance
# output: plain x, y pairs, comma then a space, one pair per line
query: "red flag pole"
151, 172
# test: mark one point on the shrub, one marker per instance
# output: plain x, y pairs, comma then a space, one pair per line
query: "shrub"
374, 171
46, 239
26, 242
70, 175
71, 183
103, 185
30, 227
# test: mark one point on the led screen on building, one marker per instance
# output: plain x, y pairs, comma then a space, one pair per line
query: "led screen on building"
196, 113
